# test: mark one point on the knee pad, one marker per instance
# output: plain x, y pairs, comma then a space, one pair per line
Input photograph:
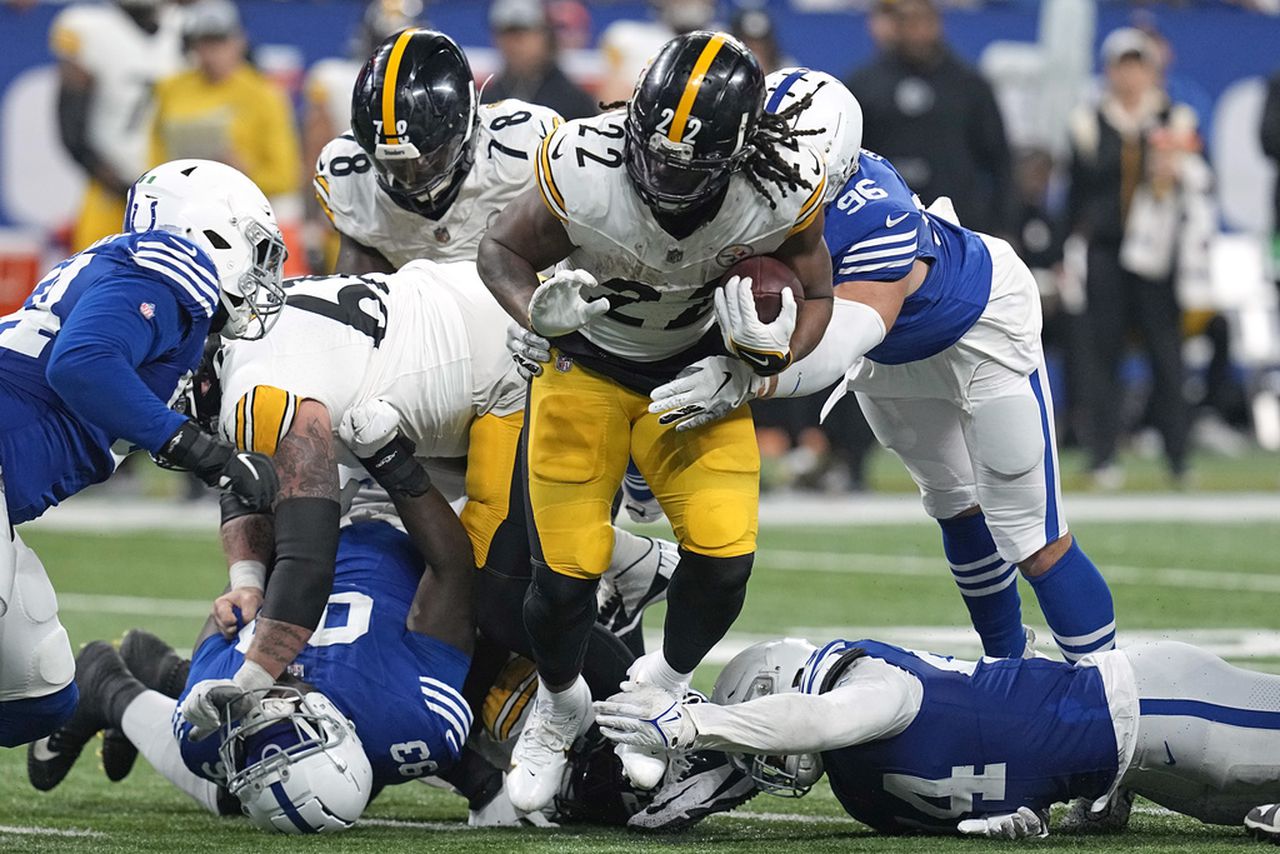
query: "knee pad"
1007, 435
715, 573
36, 658
718, 519
23, 721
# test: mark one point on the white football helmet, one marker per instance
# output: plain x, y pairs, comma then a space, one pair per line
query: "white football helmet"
833, 109
220, 210
296, 764
761, 670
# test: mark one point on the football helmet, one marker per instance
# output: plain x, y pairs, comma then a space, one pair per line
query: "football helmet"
224, 213
296, 764
413, 110
690, 120
832, 111
760, 670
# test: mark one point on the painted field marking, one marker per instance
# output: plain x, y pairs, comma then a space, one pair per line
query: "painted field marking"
49, 831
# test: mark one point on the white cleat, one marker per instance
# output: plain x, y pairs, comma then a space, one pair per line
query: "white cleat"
541, 754
639, 578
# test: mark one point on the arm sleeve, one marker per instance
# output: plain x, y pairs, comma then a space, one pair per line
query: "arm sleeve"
94, 362
878, 703
279, 150
854, 329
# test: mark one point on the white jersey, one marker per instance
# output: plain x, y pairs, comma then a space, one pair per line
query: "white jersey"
125, 63
329, 83
428, 339
506, 142
660, 288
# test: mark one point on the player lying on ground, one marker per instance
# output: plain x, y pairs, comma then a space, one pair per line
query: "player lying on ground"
915, 742
87, 367
938, 330
649, 207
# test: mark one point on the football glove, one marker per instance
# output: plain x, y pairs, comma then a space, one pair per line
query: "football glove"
529, 350
212, 702
249, 476
766, 347
372, 432
646, 716
1026, 823
705, 391
557, 307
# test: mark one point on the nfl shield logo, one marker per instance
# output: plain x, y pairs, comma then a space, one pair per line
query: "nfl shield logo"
147, 310
675, 255
441, 234
563, 363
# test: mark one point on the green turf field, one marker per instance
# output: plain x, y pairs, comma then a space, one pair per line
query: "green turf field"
1210, 583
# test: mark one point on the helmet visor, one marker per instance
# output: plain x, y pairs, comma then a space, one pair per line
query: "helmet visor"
668, 178
421, 176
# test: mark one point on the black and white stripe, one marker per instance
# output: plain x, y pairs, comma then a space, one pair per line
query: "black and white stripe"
182, 264
446, 702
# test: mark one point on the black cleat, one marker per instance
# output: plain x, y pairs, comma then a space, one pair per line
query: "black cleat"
105, 689
154, 662
1263, 823
118, 754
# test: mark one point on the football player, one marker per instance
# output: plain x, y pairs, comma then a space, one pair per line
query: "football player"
938, 329
425, 167
648, 207
88, 364
913, 742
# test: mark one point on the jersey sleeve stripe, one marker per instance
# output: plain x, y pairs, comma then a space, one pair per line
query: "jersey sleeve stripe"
881, 241
242, 422
809, 210
867, 268
184, 258
512, 714
450, 720
449, 694
546, 183
271, 412
323, 198
322, 184
168, 272
907, 249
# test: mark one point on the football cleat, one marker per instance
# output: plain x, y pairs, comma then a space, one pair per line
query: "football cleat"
106, 687
1263, 823
1080, 817
699, 784
646, 768
154, 663
638, 498
623, 595
541, 755
118, 754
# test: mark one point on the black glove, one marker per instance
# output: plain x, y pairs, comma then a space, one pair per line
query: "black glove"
249, 476
396, 469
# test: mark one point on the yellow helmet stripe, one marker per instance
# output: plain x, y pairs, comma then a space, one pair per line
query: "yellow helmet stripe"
389, 87
676, 132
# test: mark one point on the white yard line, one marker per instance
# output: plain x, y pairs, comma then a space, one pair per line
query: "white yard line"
48, 831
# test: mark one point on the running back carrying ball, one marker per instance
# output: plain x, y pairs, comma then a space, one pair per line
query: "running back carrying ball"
768, 277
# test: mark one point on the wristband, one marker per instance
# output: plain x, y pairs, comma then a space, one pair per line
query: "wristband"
248, 573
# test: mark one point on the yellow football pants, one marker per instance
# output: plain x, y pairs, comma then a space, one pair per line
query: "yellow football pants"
584, 426
491, 461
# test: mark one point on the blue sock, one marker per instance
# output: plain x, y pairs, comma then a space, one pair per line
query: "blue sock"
1077, 605
26, 720
988, 583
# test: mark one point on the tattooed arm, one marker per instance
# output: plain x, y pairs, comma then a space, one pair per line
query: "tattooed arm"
306, 540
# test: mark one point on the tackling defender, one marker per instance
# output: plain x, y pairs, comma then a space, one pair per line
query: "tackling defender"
648, 207
915, 742
90, 361
938, 330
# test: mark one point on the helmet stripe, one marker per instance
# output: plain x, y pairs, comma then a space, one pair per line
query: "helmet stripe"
290, 811
775, 100
699, 73
389, 87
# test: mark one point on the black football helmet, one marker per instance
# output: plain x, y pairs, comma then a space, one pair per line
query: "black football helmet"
413, 110
689, 121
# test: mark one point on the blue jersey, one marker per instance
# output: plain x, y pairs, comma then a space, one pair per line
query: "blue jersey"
401, 690
876, 231
94, 356
989, 738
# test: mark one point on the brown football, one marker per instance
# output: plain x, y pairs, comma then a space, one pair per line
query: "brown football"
768, 277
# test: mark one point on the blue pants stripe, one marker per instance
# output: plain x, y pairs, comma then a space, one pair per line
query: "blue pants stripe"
1051, 525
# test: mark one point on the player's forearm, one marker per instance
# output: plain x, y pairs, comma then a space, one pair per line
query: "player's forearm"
508, 276
276, 644
811, 322
442, 608
854, 329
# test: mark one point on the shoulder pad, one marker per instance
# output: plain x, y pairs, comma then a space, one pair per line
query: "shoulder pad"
181, 265
576, 157
343, 187
814, 171
260, 418
814, 677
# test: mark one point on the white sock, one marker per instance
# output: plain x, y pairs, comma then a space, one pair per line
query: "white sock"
655, 670
562, 704
148, 723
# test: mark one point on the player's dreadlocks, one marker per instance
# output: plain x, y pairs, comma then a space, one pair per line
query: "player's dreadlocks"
763, 163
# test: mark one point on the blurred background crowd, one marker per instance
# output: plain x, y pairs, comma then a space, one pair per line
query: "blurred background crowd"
1127, 150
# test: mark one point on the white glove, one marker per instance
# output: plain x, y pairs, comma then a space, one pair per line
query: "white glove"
557, 307
211, 702
529, 350
500, 812
367, 428
766, 347
705, 391
1023, 824
646, 716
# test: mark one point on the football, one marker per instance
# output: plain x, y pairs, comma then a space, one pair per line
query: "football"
769, 277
